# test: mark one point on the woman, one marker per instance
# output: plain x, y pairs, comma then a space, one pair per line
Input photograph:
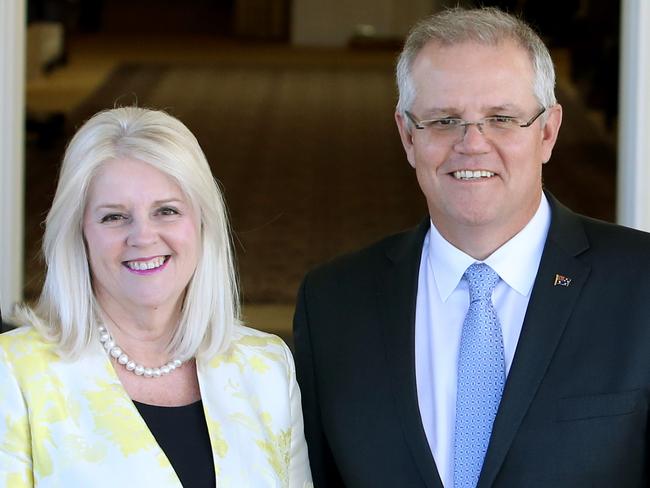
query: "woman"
135, 369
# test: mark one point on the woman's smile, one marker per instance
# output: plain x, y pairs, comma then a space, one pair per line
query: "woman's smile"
147, 266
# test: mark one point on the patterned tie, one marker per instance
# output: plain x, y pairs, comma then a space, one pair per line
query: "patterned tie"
481, 376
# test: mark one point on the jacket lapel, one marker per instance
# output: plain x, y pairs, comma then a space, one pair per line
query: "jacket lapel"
549, 309
398, 284
115, 417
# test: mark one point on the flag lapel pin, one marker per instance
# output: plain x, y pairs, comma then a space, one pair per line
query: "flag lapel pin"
561, 280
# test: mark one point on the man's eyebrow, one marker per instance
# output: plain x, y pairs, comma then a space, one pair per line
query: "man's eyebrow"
505, 106
438, 111
434, 112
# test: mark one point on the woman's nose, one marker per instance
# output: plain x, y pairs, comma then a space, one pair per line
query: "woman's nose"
142, 233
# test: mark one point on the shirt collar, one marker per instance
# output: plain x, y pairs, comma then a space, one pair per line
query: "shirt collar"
515, 262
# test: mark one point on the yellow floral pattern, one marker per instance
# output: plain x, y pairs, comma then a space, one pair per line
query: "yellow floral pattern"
71, 423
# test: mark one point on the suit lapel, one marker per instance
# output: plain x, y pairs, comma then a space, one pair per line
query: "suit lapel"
398, 285
116, 417
549, 309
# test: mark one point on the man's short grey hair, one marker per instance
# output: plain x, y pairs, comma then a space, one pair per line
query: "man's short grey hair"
488, 26
68, 313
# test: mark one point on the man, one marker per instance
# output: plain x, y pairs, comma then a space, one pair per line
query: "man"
543, 378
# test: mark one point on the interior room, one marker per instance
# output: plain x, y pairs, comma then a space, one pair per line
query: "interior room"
292, 102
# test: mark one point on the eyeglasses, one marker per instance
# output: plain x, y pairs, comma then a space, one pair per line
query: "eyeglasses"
453, 129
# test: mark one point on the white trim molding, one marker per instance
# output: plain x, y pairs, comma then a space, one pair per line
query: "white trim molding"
12, 143
633, 192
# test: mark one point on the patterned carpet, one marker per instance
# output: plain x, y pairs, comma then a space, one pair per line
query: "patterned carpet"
308, 157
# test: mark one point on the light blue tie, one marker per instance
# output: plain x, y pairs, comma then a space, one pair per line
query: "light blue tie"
481, 376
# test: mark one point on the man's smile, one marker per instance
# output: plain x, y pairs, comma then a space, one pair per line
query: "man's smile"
468, 174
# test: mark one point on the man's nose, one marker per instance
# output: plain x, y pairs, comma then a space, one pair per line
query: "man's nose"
472, 139
479, 125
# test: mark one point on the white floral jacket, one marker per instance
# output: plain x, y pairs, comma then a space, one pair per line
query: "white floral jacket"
72, 424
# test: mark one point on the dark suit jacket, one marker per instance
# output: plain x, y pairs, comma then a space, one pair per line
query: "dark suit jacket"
574, 412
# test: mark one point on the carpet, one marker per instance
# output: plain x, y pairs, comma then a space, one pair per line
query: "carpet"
308, 157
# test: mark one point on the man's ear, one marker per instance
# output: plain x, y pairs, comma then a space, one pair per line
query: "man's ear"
406, 137
551, 130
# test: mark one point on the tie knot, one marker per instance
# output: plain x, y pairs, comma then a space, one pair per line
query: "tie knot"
481, 279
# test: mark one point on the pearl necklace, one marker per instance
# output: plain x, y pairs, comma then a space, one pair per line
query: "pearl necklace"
115, 351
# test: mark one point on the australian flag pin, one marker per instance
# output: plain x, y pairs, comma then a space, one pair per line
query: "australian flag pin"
561, 280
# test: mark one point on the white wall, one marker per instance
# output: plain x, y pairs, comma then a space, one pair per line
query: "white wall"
12, 108
633, 205
333, 22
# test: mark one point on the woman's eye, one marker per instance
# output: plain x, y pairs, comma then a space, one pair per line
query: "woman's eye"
112, 218
168, 211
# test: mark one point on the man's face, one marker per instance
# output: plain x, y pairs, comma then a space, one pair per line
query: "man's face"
472, 81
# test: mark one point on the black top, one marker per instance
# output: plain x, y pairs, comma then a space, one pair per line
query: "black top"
182, 433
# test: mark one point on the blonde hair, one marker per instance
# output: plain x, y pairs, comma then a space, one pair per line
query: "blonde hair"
67, 312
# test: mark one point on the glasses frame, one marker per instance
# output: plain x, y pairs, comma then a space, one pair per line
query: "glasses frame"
423, 124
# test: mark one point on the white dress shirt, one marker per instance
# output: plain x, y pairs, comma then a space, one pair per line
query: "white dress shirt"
442, 303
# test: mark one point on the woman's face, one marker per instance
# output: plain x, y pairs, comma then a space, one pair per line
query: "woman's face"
142, 236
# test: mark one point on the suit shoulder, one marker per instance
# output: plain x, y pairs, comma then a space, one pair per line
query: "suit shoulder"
616, 238
255, 350
260, 361
25, 341
365, 260
27, 356
248, 337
